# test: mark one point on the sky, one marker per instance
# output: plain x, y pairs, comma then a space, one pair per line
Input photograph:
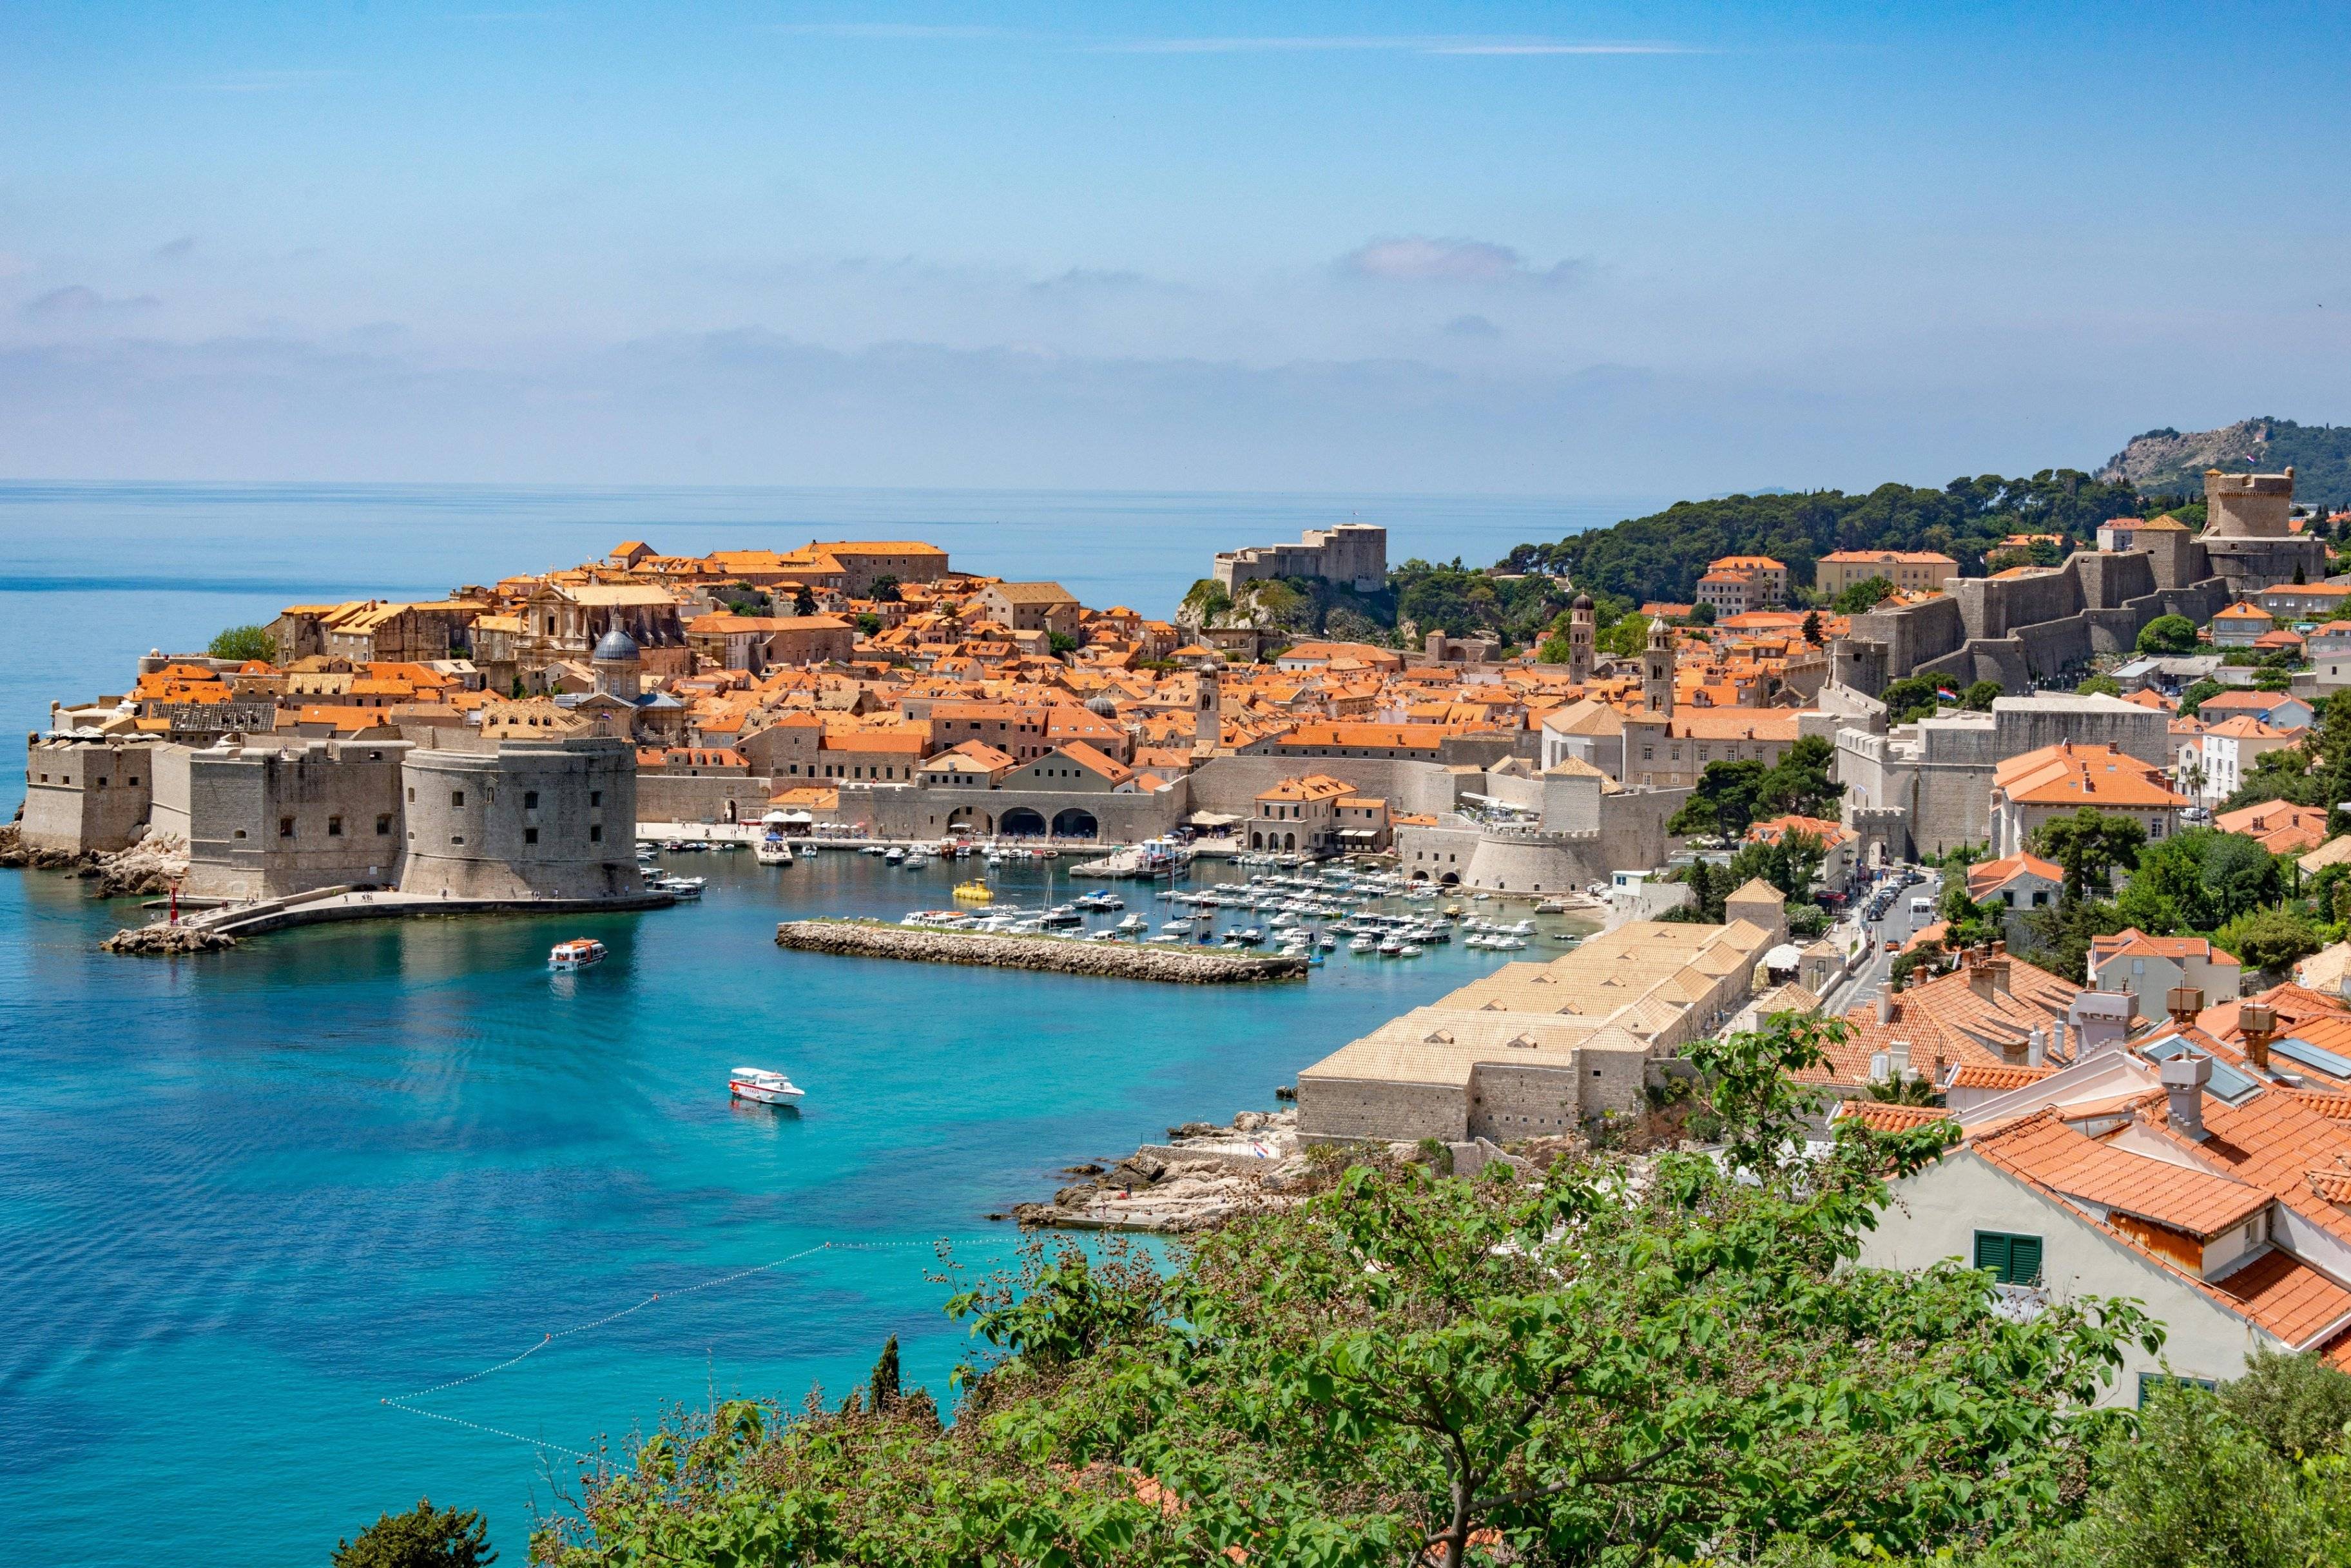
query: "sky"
1537, 249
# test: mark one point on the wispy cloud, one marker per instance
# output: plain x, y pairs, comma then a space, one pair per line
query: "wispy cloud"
1421, 259
175, 250
77, 301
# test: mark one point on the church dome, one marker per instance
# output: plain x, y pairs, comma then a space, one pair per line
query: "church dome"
1102, 706
617, 647
1582, 602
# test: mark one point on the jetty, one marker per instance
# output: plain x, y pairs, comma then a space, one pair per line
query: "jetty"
225, 924
1055, 955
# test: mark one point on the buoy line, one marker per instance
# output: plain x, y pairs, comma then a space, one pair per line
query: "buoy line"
406, 1401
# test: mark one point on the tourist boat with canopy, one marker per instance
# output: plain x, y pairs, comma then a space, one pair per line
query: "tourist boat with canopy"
576, 954
763, 1087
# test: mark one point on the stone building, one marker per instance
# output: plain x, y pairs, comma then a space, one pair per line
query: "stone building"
269, 816
522, 818
2247, 532
85, 796
1355, 554
1535, 1049
1045, 607
1910, 571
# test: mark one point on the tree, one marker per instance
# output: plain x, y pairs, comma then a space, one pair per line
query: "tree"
1792, 864
869, 624
1978, 697
2167, 636
803, 600
2269, 940
882, 1390
2057, 937
885, 589
1811, 627
2298, 1404
1723, 802
1061, 643
2193, 697
2283, 774
2272, 681
245, 645
2099, 685
1860, 598
2089, 844
1911, 697
2190, 1486
1702, 614
1590, 1368
1627, 637
424, 1536
1801, 781
2199, 880
1709, 888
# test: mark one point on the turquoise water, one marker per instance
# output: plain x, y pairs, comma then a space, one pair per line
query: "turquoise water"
246, 1198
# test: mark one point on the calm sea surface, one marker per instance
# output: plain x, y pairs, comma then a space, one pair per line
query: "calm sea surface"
246, 1198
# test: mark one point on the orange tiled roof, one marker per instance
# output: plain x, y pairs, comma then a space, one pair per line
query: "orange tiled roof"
2044, 1151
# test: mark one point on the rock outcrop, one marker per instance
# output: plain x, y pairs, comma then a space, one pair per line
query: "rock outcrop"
1202, 1174
167, 941
149, 867
14, 855
1115, 960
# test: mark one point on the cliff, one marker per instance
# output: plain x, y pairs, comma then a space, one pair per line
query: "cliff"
2172, 462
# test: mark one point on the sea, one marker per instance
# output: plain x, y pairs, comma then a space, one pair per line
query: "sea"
297, 1234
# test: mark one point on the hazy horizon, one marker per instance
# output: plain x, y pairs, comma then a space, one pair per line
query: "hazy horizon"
1446, 250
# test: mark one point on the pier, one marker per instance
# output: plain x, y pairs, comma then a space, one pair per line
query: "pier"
225, 924
1110, 960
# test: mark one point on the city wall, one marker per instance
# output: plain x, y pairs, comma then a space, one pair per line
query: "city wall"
85, 796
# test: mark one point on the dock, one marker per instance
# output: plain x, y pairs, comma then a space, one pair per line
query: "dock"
1053, 955
226, 925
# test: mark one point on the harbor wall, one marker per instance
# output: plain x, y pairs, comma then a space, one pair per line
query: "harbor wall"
534, 819
1107, 960
85, 797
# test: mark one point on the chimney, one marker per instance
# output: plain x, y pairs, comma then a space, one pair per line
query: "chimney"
1897, 1061
1997, 967
2036, 1048
1888, 1010
2258, 1023
2183, 1003
1979, 976
2184, 1077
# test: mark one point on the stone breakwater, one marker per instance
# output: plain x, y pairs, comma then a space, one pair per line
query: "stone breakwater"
166, 941
1113, 961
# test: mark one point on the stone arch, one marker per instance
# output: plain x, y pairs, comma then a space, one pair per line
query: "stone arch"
1021, 823
1075, 822
1450, 879
1289, 841
1257, 840
970, 816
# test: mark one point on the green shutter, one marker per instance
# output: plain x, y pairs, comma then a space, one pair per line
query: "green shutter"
2024, 1259
1991, 1252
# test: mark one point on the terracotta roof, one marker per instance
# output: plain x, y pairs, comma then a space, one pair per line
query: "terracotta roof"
1998, 1076
1889, 1118
1992, 875
2044, 1151
2285, 1296
2069, 775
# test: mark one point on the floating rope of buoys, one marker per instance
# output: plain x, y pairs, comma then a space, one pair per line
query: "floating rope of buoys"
405, 1401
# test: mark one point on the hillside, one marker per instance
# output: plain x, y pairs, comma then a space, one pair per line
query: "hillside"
2168, 462
1661, 556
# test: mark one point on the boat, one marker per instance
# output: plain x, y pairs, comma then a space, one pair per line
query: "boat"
772, 851
1362, 945
766, 1088
1391, 948
673, 846
576, 954
1409, 950
894, 855
1133, 922
973, 892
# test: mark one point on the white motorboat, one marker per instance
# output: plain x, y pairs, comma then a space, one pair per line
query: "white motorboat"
576, 954
772, 851
757, 1084
1363, 944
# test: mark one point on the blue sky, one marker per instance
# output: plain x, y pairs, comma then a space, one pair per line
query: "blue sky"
1549, 249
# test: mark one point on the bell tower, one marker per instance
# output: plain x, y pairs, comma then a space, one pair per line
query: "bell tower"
1657, 671
1210, 729
1579, 639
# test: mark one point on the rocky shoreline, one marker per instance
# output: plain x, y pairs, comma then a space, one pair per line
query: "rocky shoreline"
166, 941
1202, 1174
1114, 960
144, 869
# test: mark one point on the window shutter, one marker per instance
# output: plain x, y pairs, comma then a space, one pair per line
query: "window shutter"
1991, 1252
2024, 1260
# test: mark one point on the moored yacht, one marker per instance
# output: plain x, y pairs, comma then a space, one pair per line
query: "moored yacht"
757, 1083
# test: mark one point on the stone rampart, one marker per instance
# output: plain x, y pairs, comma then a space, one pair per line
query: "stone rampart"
533, 819
669, 797
85, 797
1108, 960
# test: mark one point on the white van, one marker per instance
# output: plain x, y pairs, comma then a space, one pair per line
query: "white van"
1923, 904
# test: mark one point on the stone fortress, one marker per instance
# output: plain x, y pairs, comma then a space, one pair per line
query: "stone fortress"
1355, 554
2033, 623
467, 817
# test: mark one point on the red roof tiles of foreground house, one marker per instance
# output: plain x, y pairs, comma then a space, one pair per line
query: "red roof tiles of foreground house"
1988, 877
2046, 1152
1999, 1077
2130, 942
2069, 775
1960, 1016
1884, 1117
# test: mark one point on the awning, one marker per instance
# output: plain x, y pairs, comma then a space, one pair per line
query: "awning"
1211, 819
1358, 833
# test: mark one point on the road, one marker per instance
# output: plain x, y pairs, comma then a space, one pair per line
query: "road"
1899, 926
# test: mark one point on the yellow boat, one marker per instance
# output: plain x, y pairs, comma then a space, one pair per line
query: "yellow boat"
974, 893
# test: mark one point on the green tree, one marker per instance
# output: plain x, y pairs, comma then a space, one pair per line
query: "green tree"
881, 1389
1911, 697
1860, 598
1627, 637
245, 643
803, 600
424, 1536
2272, 681
1592, 1368
2297, 1405
2167, 636
2194, 696
1811, 629
1792, 864
1978, 697
2057, 937
2270, 939
2284, 774
2189, 1488
885, 589
2197, 881
1723, 802
1801, 782
2090, 845
1708, 887
1061, 643
2097, 685
869, 624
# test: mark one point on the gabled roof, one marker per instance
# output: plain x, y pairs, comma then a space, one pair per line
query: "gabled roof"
2043, 1150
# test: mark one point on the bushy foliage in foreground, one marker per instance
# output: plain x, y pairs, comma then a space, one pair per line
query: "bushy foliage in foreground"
1670, 1361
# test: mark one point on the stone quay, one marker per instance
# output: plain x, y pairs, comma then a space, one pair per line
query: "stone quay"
1110, 960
